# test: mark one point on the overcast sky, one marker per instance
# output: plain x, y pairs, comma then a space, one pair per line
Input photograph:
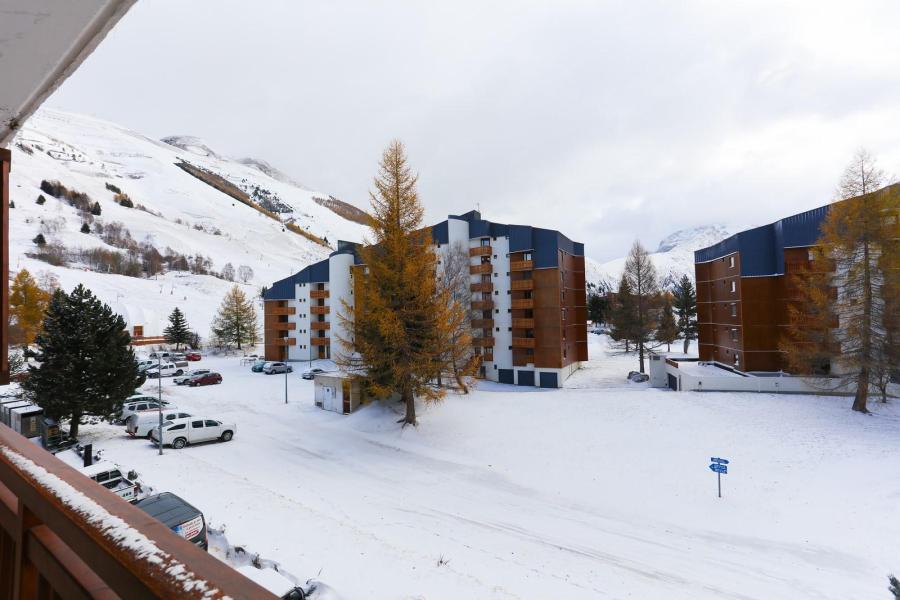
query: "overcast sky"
606, 120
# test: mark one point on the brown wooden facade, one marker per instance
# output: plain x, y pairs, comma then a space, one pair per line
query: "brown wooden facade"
276, 328
5, 167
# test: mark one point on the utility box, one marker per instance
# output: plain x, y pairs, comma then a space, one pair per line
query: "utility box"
26, 420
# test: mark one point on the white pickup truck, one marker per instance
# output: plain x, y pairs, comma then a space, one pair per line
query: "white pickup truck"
167, 369
109, 476
193, 430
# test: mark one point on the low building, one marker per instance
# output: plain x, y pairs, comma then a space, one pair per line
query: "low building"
338, 392
528, 307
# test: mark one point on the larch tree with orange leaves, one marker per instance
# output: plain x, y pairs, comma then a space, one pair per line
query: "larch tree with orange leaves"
27, 303
402, 318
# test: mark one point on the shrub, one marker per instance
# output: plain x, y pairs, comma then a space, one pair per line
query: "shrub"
41, 199
85, 228
95, 209
125, 201
113, 188
40, 240
79, 200
12, 204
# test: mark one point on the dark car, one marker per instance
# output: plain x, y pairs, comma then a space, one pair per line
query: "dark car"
205, 379
311, 374
258, 366
181, 517
192, 356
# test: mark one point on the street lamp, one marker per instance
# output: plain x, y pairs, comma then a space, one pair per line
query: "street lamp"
159, 388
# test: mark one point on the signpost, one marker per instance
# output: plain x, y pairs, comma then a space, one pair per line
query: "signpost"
719, 467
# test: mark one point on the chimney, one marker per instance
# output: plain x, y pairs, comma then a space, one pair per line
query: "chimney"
88, 454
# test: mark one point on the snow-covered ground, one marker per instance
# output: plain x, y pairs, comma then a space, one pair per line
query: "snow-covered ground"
599, 490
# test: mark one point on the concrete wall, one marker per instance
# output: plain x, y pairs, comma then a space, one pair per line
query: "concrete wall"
340, 290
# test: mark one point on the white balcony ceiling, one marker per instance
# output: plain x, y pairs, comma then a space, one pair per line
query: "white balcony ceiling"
42, 42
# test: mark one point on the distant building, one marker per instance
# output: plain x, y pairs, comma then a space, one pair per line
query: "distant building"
529, 315
743, 286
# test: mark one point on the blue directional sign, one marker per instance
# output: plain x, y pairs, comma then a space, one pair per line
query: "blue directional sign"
721, 461
717, 468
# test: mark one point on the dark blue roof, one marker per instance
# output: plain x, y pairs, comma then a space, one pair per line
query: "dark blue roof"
284, 289
762, 248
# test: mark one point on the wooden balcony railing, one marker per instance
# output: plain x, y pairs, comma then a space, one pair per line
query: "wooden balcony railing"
521, 284
521, 303
317, 341
482, 323
281, 310
521, 265
316, 294
65, 536
483, 341
320, 325
480, 251
482, 304
523, 323
522, 342
483, 268
318, 310
285, 341
482, 287
487, 357
289, 326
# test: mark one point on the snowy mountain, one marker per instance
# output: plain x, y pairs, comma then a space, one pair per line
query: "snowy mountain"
674, 257
192, 208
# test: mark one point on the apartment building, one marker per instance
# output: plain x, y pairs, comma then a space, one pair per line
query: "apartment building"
744, 284
528, 308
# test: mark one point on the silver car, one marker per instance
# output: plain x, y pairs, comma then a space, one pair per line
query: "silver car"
273, 368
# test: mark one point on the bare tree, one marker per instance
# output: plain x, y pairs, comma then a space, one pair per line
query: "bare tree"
245, 273
861, 176
641, 276
228, 272
454, 279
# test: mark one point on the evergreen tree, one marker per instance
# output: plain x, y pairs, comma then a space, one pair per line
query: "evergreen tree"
87, 364
85, 228
894, 587
95, 209
177, 332
667, 329
622, 315
40, 240
27, 303
401, 315
597, 308
686, 309
641, 275
41, 199
235, 322
842, 316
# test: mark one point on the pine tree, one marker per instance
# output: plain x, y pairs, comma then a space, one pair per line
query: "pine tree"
667, 328
87, 364
400, 316
85, 228
40, 240
27, 303
95, 209
641, 275
597, 308
686, 309
894, 586
236, 321
178, 331
41, 199
842, 313
623, 315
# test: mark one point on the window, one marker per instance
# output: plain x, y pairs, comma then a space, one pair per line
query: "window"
485, 242
734, 335
142, 407
496, 311
731, 262
212, 423
176, 427
733, 286
197, 424
508, 329
497, 328
496, 292
733, 309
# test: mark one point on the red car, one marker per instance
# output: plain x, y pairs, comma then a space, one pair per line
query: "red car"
205, 379
192, 356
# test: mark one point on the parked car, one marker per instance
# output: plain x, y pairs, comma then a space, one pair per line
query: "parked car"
209, 378
145, 364
277, 367
178, 515
179, 357
250, 359
166, 370
182, 432
182, 379
163, 355
311, 374
139, 407
193, 356
258, 366
109, 476
141, 424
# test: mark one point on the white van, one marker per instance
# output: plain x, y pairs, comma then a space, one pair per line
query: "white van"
141, 407
141, 424
182, 432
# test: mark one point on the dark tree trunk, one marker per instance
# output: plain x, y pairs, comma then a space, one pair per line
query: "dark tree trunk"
862, 391
641, 357
407, 398
73, 425
686, 344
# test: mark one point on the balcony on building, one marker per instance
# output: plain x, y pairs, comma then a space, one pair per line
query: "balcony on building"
482, 323
316, 294
482, 304
521, 265
320, 325
318, 310
523, 342
523, 323
483, 342
281, 310
483, 268
483, 287
521, 284
480, 251
521, 303
285, 341
319, 341
287, 326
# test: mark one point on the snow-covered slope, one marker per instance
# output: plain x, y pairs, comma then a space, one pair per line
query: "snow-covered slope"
673, 257
182, 213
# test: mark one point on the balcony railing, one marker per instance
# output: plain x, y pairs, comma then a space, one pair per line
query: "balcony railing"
319, 325
484, 342
65, 536
289, 326
523, 323
482, 323
480, 251
318, 310
285, 341
521, 303
482, 304
521, 265
316, 294
482, 269
281, 310
482, 287
319, 341
522, 342
521, 284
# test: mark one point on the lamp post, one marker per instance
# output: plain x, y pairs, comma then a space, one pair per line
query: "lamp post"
159, 388
285, 383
